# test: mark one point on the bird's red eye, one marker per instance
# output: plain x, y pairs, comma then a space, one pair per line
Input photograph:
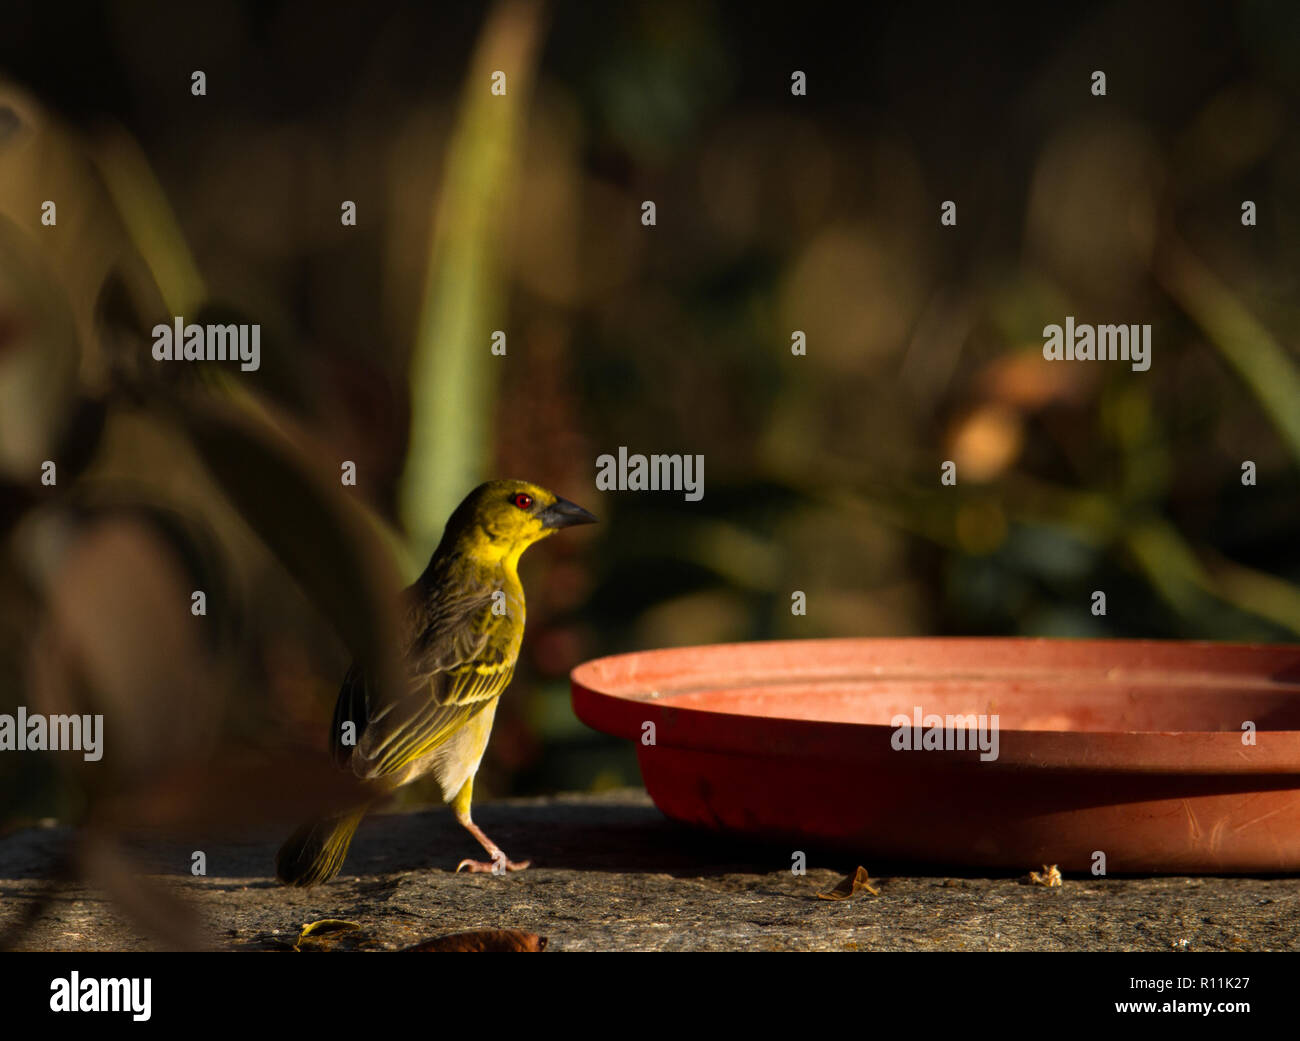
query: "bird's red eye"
523, 500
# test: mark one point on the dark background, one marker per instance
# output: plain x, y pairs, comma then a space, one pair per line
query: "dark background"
775, 213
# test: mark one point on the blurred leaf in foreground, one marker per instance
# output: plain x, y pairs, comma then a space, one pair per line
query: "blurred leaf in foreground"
452, 369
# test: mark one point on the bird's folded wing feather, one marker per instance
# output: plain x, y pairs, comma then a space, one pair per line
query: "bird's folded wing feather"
462, 660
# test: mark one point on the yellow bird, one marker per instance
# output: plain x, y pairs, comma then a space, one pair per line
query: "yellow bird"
463, 622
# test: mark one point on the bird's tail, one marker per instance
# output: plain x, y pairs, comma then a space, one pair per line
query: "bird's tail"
314, 853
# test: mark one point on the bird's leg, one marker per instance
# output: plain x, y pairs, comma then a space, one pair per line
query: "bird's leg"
500, 863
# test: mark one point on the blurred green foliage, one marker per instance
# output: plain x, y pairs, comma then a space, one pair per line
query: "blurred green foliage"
775, 213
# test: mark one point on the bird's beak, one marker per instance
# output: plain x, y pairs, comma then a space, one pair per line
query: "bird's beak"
564, 514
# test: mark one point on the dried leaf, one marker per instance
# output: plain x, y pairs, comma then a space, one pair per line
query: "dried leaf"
849, 886
1051, 876
326, 925
482, 940
327, 929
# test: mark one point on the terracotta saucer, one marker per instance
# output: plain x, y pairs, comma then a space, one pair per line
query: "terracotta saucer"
1118, 755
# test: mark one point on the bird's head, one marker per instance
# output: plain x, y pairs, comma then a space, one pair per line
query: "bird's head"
500, 519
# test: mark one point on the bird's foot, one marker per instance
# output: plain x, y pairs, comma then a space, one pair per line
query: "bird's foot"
498, 865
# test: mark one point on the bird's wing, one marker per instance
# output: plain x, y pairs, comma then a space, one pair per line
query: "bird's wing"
463, 659
352, 706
